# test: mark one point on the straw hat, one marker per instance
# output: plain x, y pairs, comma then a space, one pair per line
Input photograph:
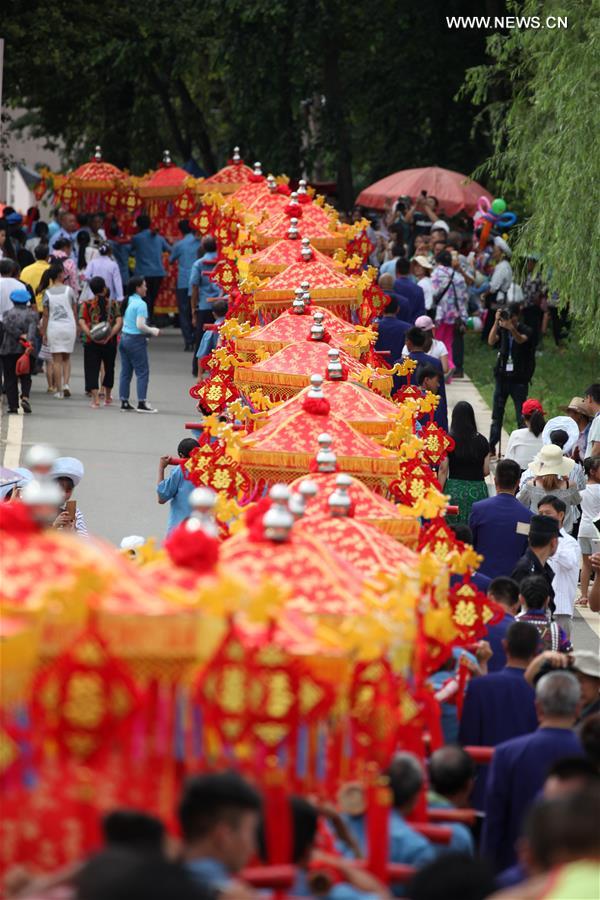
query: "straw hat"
423, 261
577, 405
550, 461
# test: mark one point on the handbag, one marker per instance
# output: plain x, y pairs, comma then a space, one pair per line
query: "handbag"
100, 331
23, 364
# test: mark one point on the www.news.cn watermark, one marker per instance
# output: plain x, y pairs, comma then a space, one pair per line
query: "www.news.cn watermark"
507, 23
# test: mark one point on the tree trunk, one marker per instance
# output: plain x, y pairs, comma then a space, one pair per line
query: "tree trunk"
195, 115
182, 141
335, 114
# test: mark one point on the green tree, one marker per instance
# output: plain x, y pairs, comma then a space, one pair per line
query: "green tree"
541, 108
349, 91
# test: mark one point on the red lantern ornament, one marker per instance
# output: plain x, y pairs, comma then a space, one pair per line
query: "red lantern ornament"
185, 204
84, 699
438, 443
225, 274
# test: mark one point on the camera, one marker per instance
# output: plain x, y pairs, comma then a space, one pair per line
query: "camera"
504, 315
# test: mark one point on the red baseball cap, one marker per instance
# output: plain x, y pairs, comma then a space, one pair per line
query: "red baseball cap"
532, 405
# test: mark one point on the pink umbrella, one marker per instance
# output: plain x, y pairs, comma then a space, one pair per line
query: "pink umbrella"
454, 191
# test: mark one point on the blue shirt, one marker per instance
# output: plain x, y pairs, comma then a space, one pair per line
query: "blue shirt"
148, 248
494, 525
199, 275
495, 635
390, 337
517, 774
406, 845
406, 290
120, 254
462, 838
135, 307
176, 488
497, 707
340, 891
209, 872
185, 253
440, 416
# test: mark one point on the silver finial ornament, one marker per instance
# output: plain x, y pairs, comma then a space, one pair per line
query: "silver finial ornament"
257, 168
317, 329
293, 234
308, 489
271, 183
40, 458
202, 501
339, 500
167, 161
98, 153
316, 386
334, 366
236, 155
302, 186
306, 252
326, 459
278, 519
298, 304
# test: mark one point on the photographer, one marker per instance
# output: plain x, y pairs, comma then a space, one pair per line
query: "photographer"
500, 283
176, 489
514, 366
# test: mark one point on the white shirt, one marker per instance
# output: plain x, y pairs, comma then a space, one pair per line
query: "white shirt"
523, 445
590, 512
7, 286
593, 434
427, 288
565, 564
437, 349
502, 277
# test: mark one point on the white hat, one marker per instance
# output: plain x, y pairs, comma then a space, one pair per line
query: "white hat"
68, 467
501, 243
423, 261
587, 662
562, 423
439, 223
550, 461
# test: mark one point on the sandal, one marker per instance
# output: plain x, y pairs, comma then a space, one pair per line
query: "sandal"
583, 601
94, 405
108, 401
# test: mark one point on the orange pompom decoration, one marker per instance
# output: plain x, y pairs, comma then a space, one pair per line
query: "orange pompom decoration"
192, 549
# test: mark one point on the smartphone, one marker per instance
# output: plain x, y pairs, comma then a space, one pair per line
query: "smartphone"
71, 508
595, 545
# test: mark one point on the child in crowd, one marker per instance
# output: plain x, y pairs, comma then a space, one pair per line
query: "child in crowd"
211, 337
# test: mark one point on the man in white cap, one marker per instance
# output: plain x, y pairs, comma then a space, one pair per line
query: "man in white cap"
68, 472
500, 282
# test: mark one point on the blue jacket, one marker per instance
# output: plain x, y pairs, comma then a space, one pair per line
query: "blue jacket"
405, 289
494, 525
462, 840
390, 337
148, 247
485, 721
517, 773
185, 253
406, 845
495, 635
200, 275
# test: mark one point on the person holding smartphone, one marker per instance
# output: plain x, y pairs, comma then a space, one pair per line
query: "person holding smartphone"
176, 488
68, 472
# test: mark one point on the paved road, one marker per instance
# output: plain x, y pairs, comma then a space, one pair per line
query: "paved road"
119, 450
